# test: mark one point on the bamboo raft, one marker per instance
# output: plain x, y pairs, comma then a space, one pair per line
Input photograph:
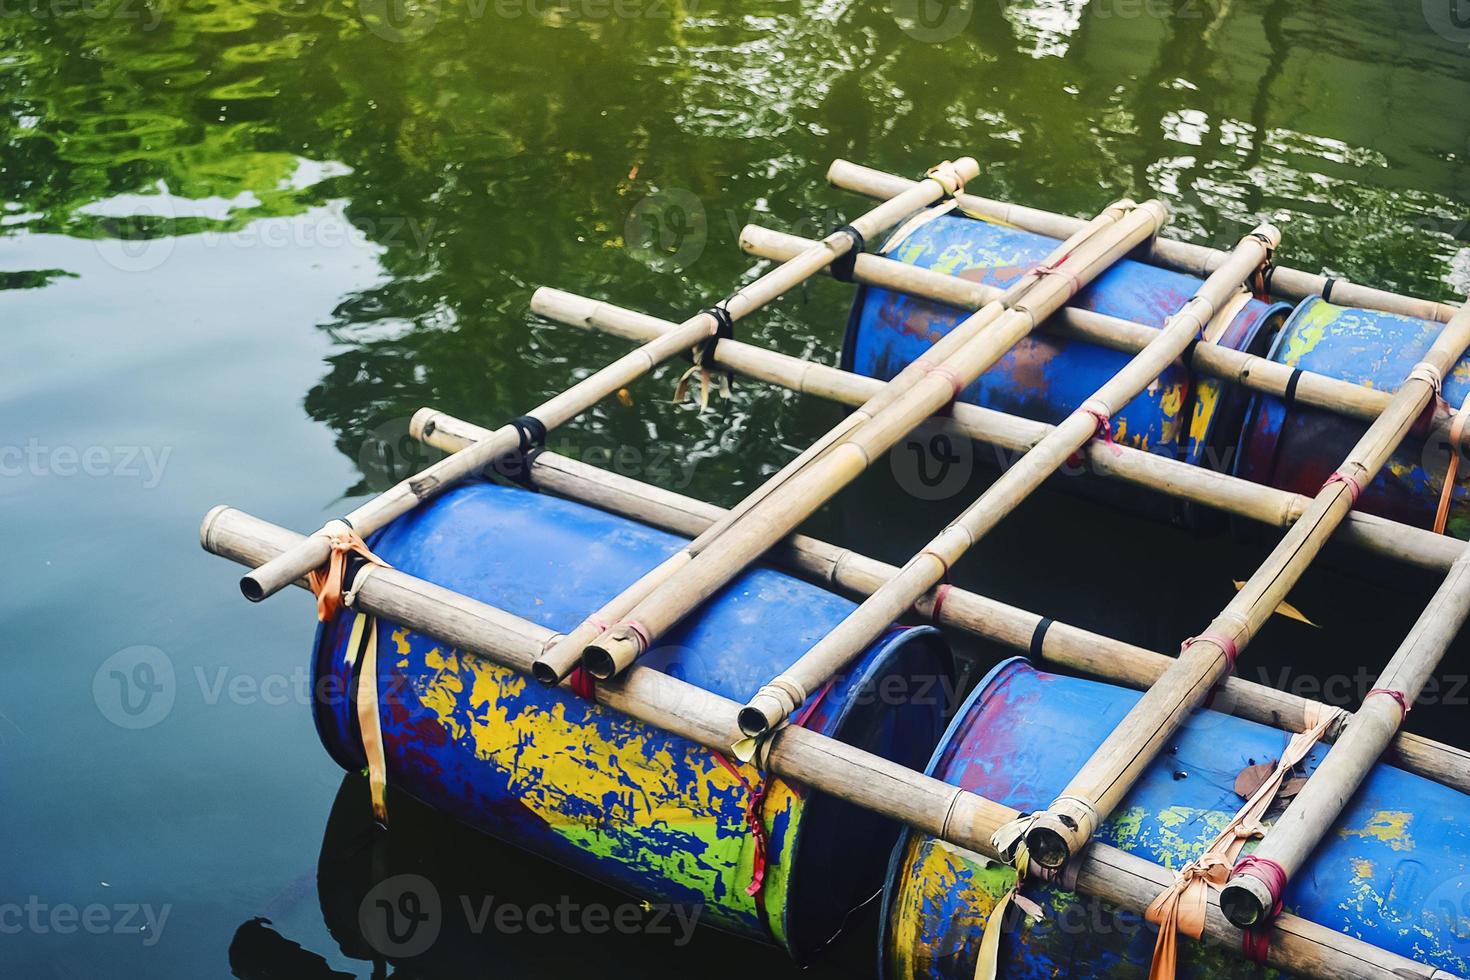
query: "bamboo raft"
774, 720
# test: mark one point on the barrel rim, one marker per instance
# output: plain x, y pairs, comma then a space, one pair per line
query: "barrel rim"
1260, 401
879, 658
895, 857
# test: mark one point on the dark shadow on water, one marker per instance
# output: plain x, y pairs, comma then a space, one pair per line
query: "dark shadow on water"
431, 898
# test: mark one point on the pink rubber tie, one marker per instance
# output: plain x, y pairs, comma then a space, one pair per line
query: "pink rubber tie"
1055, 269
641, 631
956, 383
1398, 696
1104, 428
939, 596
1225, 643
1354, 487
1268, 873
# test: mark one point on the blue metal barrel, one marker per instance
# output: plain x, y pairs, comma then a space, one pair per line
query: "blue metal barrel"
1394, 871
1297, 447
644, 811
1047, 377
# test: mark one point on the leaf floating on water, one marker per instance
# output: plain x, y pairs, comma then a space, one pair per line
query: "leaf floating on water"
625, 398
1286, 609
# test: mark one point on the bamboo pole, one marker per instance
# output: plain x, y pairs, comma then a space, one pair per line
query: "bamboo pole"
407, 494
785, 693
828, 565
829, 766
1059, 832
1238, 367
1012, 434
1246, 898
978, 342
1196, 260
559, 661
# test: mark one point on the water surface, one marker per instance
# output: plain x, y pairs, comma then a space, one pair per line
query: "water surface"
243, 241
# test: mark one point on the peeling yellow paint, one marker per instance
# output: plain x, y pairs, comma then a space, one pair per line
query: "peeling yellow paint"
1389, 826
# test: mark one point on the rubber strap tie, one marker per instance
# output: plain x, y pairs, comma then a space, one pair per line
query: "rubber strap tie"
369, 720
1268, 873
1038, 638
1092, 815
583, 684
328, 582
1260, 282
754, 807
1327, 289
1452, 471
1429, 374
645, 640
1399, 696
516, 466
1225, 643
755, 803
947, 177
956, 383
1104, 426
1055, 269
1267, 278
940, 594
1355, 489
842, 267
1291, 383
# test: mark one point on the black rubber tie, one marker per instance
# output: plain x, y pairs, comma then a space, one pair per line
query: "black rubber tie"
1038, 639
1327, 289
1296, 375
842, 267
725, 331
516, 466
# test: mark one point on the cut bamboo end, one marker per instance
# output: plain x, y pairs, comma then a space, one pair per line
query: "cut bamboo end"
252, 588
1059, 832
423, 424
207, 525
547, 673
611, 653
765, 711
1246, 901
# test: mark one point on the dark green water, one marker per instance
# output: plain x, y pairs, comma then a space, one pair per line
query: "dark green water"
243, 241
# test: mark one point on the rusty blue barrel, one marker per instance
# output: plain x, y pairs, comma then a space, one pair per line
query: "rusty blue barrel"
1046, 377
1297, 447
652, 814
1394, 870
